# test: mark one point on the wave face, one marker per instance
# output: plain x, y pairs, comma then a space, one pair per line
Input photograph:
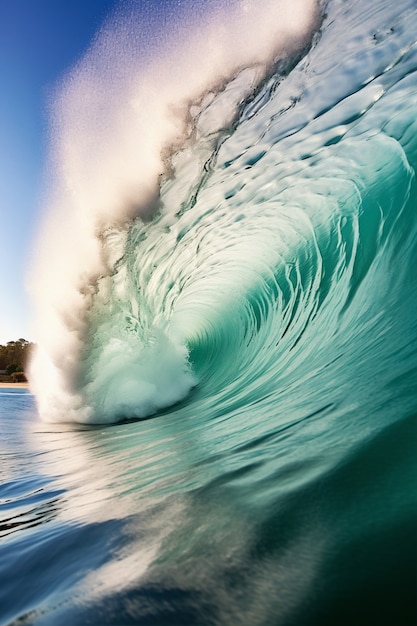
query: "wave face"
240, 242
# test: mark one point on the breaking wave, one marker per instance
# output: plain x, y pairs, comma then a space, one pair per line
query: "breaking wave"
232, 216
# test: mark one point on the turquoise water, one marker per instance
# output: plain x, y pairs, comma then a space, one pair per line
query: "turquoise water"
233, 440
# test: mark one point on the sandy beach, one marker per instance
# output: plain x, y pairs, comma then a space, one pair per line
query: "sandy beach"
3, 385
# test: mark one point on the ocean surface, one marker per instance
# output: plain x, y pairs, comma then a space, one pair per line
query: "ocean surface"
224, 426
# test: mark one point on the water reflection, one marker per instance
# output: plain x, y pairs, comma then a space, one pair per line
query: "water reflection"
180, 516
169, 508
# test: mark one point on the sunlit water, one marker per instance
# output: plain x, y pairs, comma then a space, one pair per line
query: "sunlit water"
252, 358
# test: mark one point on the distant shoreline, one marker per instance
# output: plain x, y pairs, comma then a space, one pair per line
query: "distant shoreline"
10, 385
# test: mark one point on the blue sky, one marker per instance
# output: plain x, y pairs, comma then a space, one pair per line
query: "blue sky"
39, 41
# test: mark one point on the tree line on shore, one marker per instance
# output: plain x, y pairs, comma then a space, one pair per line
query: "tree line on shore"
14, 357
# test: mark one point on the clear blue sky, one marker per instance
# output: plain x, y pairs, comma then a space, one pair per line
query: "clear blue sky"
39, 41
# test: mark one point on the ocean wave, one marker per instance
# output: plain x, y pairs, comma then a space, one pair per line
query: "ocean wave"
255, 243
